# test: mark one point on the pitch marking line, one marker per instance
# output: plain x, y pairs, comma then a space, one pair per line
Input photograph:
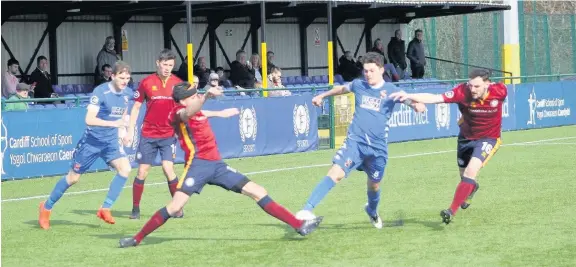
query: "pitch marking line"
291, 168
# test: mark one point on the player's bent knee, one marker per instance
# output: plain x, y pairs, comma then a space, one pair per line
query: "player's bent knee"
336, 173
177, 203
72, 177
254, 191
143, 171
373, 186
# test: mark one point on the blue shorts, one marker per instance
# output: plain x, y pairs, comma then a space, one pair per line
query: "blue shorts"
353, 155
86, 153
482, 149
213, 172
148, 149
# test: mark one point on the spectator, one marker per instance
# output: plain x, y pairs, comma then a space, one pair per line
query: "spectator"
41, 79
105, 76
275, 78
182, 72
107, 55
257, 67
269, 61
416, 55
240, 73
9, 79
21, 93
379, 48
213, 81
201, 71
396, 54
223, 81
348, 68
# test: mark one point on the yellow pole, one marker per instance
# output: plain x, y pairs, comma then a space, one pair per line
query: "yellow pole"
330, 63
190, 63
264, 68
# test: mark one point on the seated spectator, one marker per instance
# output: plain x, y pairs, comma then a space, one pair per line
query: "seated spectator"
105, 75
21, 93
182, 72
255, 64
202, 72
240, 73
213, 81
348, 68
9, 79
41, 79
275, 79
223, 81
270, 61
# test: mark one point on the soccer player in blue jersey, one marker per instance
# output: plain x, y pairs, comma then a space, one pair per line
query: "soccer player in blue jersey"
366, 145
105, 121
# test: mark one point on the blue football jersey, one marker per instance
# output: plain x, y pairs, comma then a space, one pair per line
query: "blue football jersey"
372, 111
112, 106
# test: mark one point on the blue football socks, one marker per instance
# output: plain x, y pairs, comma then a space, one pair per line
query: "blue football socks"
319, 193
373, 200
116, 187
61, 187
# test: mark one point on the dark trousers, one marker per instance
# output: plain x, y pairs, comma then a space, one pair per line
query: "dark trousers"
417, 71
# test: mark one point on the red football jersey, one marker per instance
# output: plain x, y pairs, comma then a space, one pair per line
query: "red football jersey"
159, 103
481, 118
195, 136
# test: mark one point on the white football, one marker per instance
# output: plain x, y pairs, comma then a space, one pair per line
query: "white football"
305, 215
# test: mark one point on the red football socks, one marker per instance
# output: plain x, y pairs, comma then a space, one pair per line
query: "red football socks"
464, 189
137, 190
157, 220
279, 212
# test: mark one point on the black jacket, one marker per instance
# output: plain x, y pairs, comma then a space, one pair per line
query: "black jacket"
416, 53
241, 75
348, 69
396, 52
43, 82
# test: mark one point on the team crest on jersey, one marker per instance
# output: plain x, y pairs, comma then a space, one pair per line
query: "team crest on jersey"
348, 163
442, 116
136, 95
189, 182
154, 88
126, 100
77, 166
248, 124
301, 119
449, 94
94, 100
494, 103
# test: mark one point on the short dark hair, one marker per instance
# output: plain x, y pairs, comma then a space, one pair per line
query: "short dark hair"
106, 66
373, 57
121, 67
273, 69
40, 58
482, 73
240, 52
166, 54
417, 31
219, 69
269, 53
13, 61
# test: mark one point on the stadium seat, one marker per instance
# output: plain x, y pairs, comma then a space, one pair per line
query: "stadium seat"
324, 79
317, 79
67, 89
298, 80
307, 79
37, 106
290, 80
61, 106
338, 78
284, 80
49, 106
57, 89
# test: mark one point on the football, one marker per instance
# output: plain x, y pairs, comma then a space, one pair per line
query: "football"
305, 215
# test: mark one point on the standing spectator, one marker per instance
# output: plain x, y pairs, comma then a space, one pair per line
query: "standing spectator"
416, 55
257, 67
105, 75
202, 72
107, 55
396, 54
240, 73
9, 79
275, 78
348, 68
379, 48
269, 61
21, 93
41, 79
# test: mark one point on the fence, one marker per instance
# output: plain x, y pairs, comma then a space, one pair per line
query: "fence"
547, 31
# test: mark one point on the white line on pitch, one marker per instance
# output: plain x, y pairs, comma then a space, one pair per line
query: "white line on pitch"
289, 169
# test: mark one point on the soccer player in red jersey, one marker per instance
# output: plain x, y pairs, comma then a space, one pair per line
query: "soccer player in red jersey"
157, 133
480, 102
206, 166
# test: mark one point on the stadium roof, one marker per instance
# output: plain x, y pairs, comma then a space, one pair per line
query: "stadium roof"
402, 11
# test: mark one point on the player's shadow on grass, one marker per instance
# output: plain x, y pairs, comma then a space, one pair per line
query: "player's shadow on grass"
63, 222
151, 240
115, 213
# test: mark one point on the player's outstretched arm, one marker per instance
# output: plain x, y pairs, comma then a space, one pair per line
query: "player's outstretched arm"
92, 120
336, 90
418, 107
225, 113
424, 98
